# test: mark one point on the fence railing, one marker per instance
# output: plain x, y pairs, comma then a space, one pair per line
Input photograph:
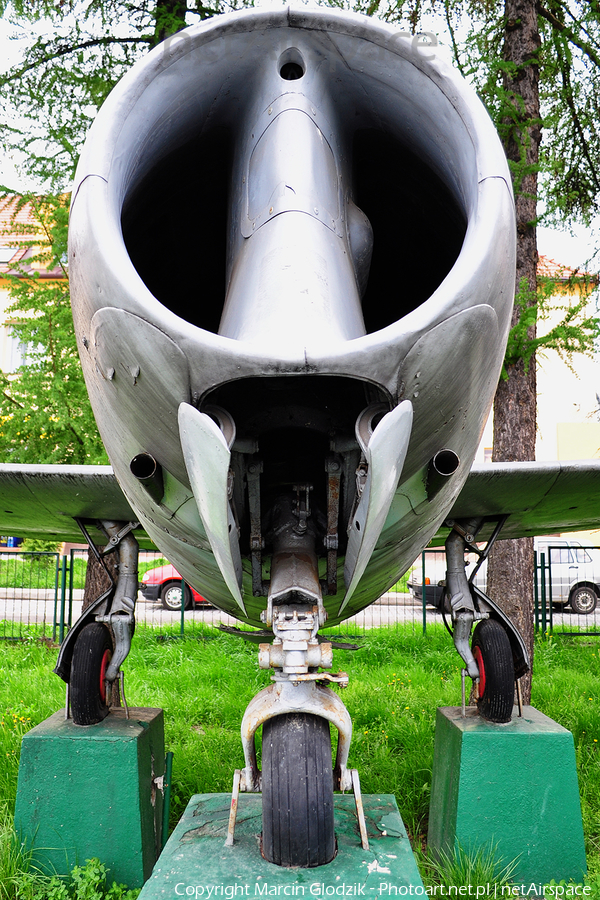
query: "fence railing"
45, 590
29, 591
567, 590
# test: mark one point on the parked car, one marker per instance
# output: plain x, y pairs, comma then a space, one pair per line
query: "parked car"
164, 583
574, 573
573, 579
435, 577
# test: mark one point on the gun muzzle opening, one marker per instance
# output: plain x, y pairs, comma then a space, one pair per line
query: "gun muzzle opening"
441, 467
291, 64
149, 473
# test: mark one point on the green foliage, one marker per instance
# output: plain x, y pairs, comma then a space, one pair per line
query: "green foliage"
39, 546
568, 62
66, 69
576, 331
87, 882
34, 572
479, 868
45, 414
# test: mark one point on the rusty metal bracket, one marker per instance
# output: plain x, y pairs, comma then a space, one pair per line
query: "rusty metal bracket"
333, 467
257, 543
235, 793
360, 810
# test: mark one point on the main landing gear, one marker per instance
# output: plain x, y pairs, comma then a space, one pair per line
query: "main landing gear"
88, 661
497, 657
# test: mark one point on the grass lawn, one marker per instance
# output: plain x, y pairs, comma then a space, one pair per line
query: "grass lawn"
397, 679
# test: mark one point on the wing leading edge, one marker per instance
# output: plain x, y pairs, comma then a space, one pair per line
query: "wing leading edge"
44, 501
537, 497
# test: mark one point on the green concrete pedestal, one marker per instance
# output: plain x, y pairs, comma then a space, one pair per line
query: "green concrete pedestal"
89, 792
196, 863
513, 786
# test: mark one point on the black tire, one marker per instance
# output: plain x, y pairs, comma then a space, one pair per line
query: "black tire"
583, 600
170, 596
91, 654
297, 791
493, 654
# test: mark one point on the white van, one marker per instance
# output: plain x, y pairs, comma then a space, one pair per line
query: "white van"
572, 574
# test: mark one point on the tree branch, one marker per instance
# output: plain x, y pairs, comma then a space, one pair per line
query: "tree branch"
453, 39
584, 46
570, 100
12, 400
65, 51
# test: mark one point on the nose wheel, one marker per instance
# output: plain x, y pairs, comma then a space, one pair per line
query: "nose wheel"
297, 791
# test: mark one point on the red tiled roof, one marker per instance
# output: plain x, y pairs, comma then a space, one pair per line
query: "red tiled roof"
549, 268
20, 229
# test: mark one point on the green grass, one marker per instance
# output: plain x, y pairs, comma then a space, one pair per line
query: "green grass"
397, 679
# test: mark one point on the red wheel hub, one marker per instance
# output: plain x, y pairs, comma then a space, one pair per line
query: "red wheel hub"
481, 667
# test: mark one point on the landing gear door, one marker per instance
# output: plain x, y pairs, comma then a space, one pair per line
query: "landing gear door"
385, 453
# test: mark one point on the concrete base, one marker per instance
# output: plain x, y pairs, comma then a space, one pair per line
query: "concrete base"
513, 786
88, 791
195, 862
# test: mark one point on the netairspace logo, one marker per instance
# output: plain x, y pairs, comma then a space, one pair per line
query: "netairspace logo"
497, 891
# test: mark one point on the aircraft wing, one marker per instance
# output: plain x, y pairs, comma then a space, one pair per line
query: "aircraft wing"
537, 497
44, 501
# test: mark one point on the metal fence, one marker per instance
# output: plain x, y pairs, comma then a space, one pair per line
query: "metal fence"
566, 589
44, 592
29, 592
566, 585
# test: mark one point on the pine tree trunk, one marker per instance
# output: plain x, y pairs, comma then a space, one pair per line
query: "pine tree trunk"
510, 570
96, 583
169, 19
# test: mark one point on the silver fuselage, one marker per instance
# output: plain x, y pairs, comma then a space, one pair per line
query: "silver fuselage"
286, 223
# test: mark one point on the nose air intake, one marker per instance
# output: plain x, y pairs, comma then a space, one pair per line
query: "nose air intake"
301, 145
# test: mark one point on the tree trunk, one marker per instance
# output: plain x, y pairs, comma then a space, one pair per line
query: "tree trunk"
96, 583
510, 570
169, 19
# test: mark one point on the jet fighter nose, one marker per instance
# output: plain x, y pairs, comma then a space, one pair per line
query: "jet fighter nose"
300, 245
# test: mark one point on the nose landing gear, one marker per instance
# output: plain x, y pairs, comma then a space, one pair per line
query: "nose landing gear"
297, 779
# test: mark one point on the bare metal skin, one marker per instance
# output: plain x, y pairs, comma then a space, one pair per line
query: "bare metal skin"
292, 248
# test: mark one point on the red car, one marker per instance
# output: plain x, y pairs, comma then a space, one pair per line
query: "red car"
164, 583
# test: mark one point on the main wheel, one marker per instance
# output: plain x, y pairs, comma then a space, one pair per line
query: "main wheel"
493, 655
583, 600
170, 596
91, 655
297, 791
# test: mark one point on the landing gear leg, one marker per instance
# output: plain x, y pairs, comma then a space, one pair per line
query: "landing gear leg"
297, 779
497, 654
87, 661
